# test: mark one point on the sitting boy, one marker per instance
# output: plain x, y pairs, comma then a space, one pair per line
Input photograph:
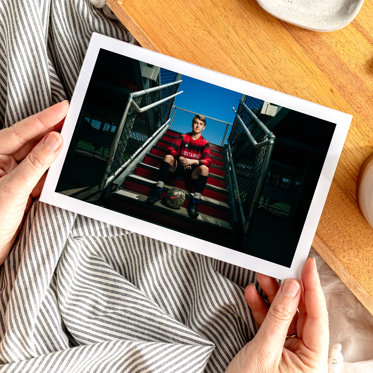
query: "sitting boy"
189, 155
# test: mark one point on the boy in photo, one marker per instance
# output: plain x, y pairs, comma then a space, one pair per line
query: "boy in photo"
189, 156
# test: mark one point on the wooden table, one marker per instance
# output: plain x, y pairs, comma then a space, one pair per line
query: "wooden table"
335, 69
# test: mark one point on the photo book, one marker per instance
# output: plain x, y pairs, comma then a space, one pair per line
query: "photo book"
198, 159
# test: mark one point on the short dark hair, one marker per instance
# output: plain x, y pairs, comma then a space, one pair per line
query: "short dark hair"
200, 117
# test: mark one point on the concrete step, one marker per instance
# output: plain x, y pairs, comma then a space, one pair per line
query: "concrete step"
208, 196
204, 215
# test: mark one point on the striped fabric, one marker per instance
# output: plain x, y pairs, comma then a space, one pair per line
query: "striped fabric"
78, 295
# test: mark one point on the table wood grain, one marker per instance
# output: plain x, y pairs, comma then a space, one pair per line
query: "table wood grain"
238, 38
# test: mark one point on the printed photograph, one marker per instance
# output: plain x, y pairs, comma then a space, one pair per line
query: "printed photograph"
195, 158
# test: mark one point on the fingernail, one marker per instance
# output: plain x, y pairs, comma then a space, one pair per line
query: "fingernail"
53, 141
290, 288
314, 264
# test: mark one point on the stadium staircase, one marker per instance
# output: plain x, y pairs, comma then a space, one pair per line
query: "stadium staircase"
214, 218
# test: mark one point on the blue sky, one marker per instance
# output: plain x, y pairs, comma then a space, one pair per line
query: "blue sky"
207, 99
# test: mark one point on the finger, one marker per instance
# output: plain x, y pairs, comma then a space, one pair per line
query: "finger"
315, 333
25, 177
256, 303
274, 329
293, 325
39, 187
269, 286
20, 154
7, 164
16, 136
302, 312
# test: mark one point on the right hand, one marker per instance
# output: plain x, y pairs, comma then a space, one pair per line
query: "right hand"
185, 163
271, 350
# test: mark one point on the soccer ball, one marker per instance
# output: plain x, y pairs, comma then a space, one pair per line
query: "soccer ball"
175, 198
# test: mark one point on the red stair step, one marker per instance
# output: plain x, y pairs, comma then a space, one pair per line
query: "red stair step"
217, 155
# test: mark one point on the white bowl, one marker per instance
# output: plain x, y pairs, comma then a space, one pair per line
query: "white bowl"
317, 15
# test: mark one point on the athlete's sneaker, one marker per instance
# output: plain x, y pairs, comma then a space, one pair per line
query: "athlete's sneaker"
193, 209
154, 196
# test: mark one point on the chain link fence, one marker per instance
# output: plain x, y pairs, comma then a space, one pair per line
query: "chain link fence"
215, 132
250, 159
138, 127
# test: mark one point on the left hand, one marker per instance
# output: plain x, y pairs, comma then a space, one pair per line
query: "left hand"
27, 149
306, 350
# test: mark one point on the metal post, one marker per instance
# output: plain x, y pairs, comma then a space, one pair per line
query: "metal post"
114, 146
173, 116
243, 220
231, 192
126, 169
154, 104
260, 182
225, 134
158, 88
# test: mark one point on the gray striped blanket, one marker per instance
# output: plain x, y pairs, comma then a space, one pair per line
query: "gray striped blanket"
78, 295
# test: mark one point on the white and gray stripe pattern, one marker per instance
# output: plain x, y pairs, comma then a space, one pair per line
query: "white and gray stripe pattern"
78, 295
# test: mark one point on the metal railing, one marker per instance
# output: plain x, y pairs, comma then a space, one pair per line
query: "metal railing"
117, 154
249, 152
127, 168
233, 189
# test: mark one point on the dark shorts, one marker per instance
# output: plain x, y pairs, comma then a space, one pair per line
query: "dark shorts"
181, 171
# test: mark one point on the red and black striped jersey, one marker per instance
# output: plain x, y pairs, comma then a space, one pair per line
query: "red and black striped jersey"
185, 146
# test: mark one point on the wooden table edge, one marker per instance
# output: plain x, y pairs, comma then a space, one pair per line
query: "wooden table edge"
131, 24
342, 273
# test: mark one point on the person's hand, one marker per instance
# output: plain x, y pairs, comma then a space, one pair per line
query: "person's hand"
183, 161
287, 341
186, 163
27, 149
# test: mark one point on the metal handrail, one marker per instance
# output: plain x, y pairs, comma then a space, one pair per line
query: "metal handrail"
140, 152
269, 141
150, 90
257, 120
270, 136
123, 120
154, 104
154, 89
231, 193
234, 176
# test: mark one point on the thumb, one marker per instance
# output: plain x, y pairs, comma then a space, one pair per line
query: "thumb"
27, 174
273, 331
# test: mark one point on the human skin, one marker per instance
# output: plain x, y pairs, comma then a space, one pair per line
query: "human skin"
27, 149
271, 350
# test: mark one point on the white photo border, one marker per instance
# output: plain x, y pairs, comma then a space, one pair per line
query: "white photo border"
170, 236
